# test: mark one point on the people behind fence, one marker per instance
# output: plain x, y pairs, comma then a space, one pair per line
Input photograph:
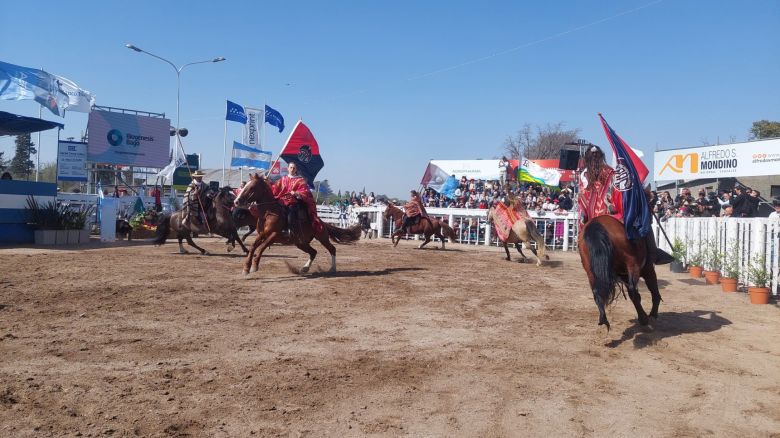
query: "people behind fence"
742, 202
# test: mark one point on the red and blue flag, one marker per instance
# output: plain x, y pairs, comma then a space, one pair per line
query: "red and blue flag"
302, 149
630, 173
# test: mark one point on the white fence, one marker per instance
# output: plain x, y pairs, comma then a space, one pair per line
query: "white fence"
740, 241
470, 225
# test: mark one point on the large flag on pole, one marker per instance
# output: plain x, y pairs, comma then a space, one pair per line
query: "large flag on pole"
302, 149
252, 127
437, 179
246, 156
235, 113
177, 159
274, 118
17, 83
630, 174
78, 99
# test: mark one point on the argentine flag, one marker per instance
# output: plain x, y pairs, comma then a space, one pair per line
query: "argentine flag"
245, 156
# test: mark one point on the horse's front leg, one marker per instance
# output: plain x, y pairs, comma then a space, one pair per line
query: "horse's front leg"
506, 249
519, 248
191, 243
652, 284
266, 243
237, 238
250, 255
427, 241
633, 294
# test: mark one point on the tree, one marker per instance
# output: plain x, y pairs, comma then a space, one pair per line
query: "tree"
764, 129
538, 143
22, 164
3, 164
325, 192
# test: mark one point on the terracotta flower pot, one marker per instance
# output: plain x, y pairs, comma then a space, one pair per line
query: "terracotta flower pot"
759, 295
712, 277
728, 284
695, 271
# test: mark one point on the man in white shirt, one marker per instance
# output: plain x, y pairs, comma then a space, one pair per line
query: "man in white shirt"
775, 214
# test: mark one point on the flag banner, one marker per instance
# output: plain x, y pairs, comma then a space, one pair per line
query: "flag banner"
177, 159
252, 127
434, 177
630, 173
235, 112
19, 83
534, 173
274, 118
78, 100
246, 156
302, 149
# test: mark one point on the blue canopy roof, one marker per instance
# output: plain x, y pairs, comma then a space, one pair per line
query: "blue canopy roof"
12, 124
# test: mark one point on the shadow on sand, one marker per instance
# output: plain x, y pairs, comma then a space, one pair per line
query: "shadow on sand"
670, 324
337, 274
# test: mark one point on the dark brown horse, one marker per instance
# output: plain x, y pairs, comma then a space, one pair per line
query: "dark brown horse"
272, 221
426, 226
611, 261
220, 221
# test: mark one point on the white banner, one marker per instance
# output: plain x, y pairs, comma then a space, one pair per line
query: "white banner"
477, 169
254, 117
72, 161
78, 99
755, 158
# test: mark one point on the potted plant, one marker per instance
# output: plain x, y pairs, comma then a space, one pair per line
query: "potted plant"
57, 224
759, 293
728, 282
695, 265
678, 253
714, 263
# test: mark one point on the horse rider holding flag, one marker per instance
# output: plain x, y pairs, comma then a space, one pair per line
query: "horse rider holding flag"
618, 192
292, 190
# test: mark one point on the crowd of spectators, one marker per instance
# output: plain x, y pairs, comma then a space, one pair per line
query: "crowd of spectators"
741, 202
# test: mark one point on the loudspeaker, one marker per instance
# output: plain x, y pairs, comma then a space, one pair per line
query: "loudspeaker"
569, 159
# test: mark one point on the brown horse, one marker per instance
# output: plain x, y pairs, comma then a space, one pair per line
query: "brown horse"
611, 260
217, 206
272, 220
426, 226
522, 232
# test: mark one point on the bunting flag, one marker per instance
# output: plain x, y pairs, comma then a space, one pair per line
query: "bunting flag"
18, 83
302, 149
534, 173
274, 118
246, 156
630, 173
235, 113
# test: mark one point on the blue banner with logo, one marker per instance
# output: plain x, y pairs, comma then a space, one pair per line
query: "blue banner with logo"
18, 83
235, 113
274, 118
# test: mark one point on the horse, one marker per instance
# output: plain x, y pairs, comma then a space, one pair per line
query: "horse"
242, 217
611, 260
426, 226
272, 220
522, 232
219, 219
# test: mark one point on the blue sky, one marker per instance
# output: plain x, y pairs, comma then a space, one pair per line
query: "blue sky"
386, 86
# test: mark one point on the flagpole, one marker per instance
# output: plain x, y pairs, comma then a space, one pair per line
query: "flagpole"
224, 152
38, 154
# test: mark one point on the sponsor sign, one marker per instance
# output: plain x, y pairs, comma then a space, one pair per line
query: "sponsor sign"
754, 158
72, 161
254, 117
128, 139
477, 169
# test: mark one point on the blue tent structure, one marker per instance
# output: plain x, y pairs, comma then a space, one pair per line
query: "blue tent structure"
12, 124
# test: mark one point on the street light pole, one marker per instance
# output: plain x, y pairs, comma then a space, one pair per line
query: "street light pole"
178, 82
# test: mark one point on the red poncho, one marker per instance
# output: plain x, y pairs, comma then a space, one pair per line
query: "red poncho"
286, 189
600, 197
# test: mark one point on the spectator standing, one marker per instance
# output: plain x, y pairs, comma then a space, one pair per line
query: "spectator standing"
503, 163
775, 214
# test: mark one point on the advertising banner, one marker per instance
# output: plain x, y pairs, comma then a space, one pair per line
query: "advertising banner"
128, 139
477, 169
72, 161
254, 117
755, 158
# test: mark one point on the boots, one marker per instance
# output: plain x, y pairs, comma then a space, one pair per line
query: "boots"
659, 256
292, 219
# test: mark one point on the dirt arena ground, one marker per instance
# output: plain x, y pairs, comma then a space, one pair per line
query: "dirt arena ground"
133, 340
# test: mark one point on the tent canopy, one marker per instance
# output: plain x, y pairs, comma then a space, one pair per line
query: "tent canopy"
12, 124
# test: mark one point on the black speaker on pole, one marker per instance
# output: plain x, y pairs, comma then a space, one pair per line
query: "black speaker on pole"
569, 159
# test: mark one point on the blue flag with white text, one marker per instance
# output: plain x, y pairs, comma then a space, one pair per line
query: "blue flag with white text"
274, 118
247, 156
17, 83
235, 113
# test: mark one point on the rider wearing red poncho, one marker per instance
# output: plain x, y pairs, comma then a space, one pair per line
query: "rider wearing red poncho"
291, 190
414, 210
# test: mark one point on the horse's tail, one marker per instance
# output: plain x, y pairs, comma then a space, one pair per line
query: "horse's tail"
343, 235
447, 231
600, 252
163, 229
538, 238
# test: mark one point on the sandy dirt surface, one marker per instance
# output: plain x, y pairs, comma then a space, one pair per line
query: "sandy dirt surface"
133, 340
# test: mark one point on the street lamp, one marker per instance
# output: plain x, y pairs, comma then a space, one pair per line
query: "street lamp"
178, 74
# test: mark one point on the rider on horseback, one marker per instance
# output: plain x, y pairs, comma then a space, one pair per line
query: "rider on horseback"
600, 196
292, 190
194, 216
414, 210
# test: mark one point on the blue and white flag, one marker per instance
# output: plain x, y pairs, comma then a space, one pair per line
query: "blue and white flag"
235, 113
274, 118
18, 83
245, 156
79, 100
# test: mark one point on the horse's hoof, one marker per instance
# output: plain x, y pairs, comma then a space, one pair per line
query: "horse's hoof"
245, 272
205, 253
229, 249
184, 252
252, 270
546, 257
332, 271
304, 269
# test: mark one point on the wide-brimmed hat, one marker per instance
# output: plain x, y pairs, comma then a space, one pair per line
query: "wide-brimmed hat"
198, 173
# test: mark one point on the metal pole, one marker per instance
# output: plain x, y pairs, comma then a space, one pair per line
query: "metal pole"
38, 151
224, 152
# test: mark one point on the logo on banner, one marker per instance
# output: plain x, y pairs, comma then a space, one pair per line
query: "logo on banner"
114, 137
304, 154
623, 180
